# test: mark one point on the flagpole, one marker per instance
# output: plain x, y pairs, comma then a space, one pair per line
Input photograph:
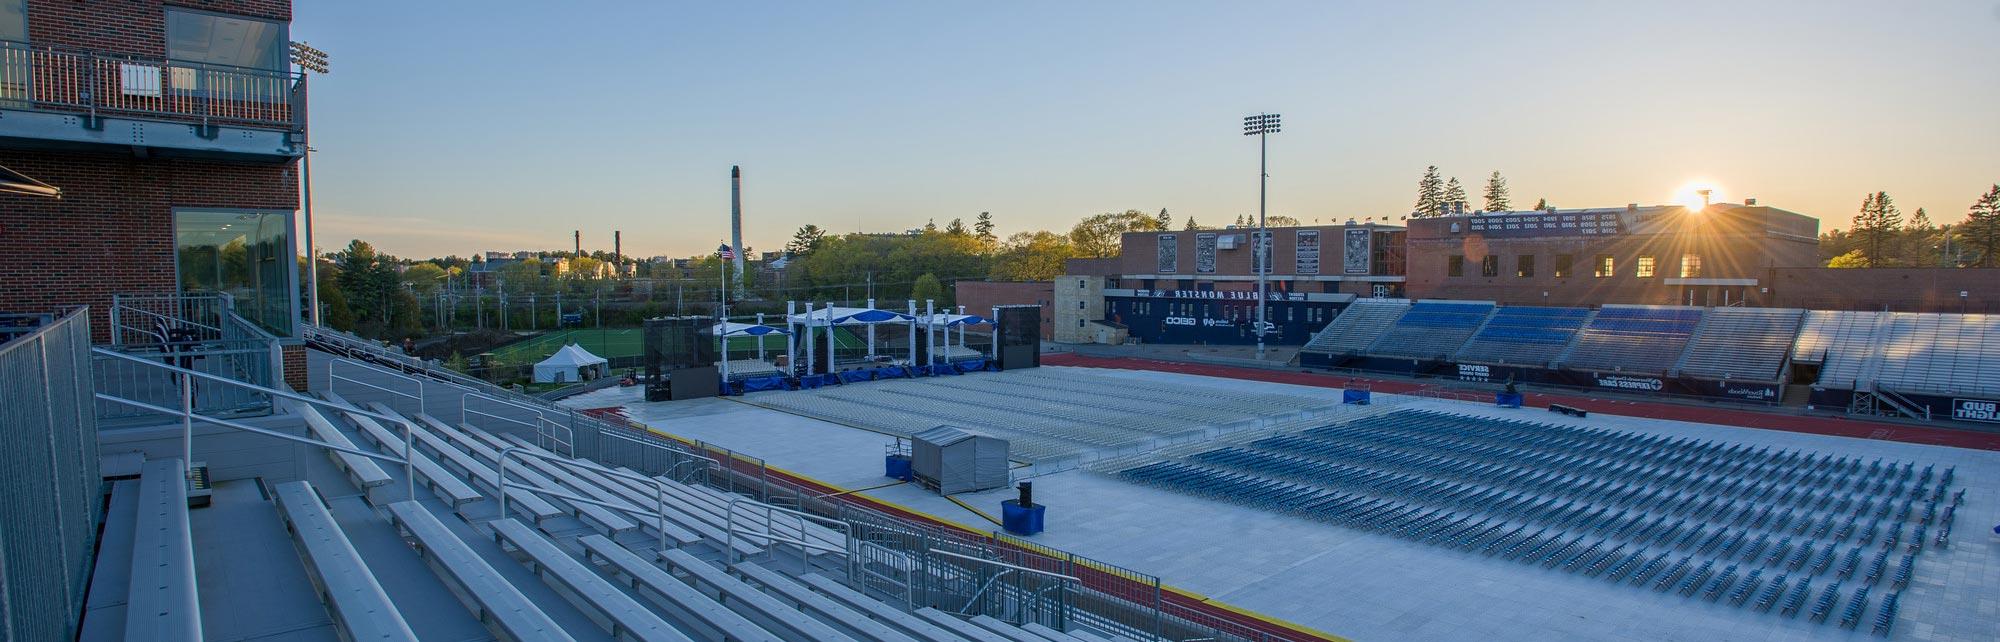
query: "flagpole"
723, 314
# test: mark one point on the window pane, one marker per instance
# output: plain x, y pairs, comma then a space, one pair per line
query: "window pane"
1690, 266
1562, 265
247, 255
226, 40
1489, 266
1524, 265
14, 20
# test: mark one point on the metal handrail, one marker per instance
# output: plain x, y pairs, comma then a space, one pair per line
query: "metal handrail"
659, 486
95, 82
770, 535
188, 415
331, 377
541, 422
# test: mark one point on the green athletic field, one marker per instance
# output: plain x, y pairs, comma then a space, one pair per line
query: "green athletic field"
613, 343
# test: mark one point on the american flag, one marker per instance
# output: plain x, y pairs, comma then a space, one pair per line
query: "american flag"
726, 252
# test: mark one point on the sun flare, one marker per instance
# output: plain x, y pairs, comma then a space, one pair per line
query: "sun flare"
1696, 194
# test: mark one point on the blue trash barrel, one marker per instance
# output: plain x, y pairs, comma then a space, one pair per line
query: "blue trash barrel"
897, 466
1021, 521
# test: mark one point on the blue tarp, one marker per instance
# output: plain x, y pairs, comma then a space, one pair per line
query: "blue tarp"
851, 376
1507, 400
1356, 397
816, 380
891, 372
970, 365
755, 384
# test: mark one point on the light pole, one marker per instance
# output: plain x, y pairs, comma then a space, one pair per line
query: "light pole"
1261, 126
314, 60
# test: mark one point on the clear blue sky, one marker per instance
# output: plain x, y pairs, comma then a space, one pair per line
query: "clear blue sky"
459, 126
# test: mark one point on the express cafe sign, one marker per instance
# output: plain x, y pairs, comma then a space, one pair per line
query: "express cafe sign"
1219, 295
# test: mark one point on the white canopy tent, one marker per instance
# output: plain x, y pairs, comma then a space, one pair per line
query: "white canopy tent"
572, 363
727, 330
941, 324
831, 317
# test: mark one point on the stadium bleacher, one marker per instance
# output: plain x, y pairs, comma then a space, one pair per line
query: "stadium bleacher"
1595, 503
1524, 335
1432, 329
1743, 343
1942, 354
1633, 338
1357, 327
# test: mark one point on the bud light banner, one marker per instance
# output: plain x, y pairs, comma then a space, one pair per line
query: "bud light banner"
1975, 410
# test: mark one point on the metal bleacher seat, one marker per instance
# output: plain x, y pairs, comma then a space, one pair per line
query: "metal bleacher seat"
1743, 343
525, 470
522, 500
441, 482
998, 630
1524, 335
1633, 338
486, 593
1357, 327
845, 619
1942, 354
1432, 329
952, 623
363, 472
685, 605
767, 611
909, 624
161, 602
624, 502
359, 606
610, 607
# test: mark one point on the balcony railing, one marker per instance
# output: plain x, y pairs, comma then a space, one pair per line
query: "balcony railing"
53, 79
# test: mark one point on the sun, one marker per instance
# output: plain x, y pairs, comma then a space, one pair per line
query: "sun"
1691, 195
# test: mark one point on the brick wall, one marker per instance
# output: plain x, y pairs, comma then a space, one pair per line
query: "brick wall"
295, 367
1896, 289
979, 297
112, 231
137, 27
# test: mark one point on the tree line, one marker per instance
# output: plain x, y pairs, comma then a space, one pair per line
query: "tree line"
1880, 237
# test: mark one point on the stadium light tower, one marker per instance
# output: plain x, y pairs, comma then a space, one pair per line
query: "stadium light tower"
1261, 126
309, 59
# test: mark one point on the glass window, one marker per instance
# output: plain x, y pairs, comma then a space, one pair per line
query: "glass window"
1645, 267
1524, 265
247, 255
1605, 268
14, 20
217, 39
1562, 265
1690, 266
1489, 266
1454, 265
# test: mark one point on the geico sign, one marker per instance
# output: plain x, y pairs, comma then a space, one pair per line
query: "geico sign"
1178, 320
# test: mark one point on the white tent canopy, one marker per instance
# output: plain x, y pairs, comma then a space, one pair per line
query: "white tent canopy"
848, 316
734, 329
942, 319
571, 363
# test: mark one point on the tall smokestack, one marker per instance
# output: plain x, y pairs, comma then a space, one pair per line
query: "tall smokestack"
579, 242
617, 247
736, 222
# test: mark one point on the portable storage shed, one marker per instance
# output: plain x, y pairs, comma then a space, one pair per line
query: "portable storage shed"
955, 460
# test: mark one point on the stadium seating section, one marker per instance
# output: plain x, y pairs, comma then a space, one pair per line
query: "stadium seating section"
1432, 330
1751, 528
1357, 327
1943, 354
1743, 343
1524, 335
1631, 338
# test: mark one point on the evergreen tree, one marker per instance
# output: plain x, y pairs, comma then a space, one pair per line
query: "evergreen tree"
1876, 226
955, 228
805, 241
983, 227
1239, 220
1191, 225
1454, 194
1919, 239
1541, 204
1430, 193
1496, 193
1165, 222
1982, 226
930, 225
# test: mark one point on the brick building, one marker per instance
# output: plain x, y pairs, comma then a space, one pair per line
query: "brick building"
173, 131
1721, 255
979, 297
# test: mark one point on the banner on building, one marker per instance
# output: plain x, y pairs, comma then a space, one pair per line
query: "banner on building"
1356, 250
1204, 253
1260, 252
1975, 410
1170, 254
1307, 252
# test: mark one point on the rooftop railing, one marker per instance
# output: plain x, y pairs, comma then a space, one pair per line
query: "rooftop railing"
99, 84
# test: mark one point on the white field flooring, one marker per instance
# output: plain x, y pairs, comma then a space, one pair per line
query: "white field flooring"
1374, 587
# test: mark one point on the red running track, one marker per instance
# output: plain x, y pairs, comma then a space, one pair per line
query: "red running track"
1836, 426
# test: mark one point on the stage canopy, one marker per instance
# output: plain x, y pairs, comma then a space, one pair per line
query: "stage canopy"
948, 320
734, 329
849, 316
